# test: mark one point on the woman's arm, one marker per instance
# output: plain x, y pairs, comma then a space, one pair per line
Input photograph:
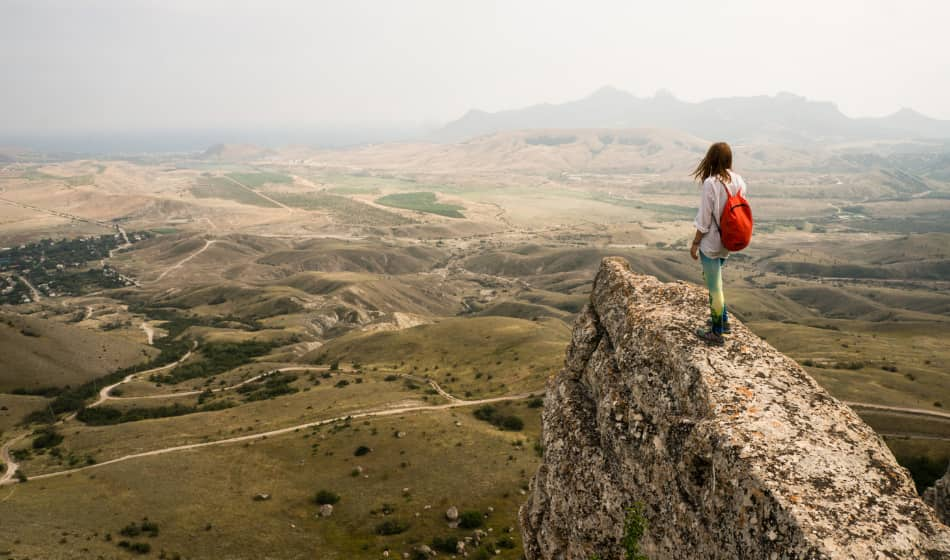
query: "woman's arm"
694, 248
704, 217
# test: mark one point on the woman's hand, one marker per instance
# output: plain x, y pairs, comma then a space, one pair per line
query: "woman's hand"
694, 248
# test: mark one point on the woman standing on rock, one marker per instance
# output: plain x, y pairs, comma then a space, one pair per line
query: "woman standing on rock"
720, 183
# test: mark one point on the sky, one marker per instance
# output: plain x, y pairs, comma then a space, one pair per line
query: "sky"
101, 65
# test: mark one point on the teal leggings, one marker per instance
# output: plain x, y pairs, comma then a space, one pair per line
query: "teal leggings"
712, 273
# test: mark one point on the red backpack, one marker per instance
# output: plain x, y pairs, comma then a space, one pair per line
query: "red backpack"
735, 224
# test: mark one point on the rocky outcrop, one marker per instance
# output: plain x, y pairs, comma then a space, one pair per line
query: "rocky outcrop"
938, 497
733, 452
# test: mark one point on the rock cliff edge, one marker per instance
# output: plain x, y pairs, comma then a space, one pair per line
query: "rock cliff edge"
734, 452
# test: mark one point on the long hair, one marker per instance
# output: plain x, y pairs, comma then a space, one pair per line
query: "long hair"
717, 163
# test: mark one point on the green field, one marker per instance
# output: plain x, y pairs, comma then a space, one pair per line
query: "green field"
260, 178
219, 187
340, 207
469, 357
421, 202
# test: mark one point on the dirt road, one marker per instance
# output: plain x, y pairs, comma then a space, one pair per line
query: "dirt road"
454, 402
149, 332
287, 430
260, 194
914, 411
7, 458
104, 392
37, 296
176, 266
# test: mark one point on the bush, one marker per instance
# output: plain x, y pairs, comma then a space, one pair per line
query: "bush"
141, 548
361, 450
471, 519
324, 497
130, 530
490, 414
391, 527
536, 402
46, 438
634, 526
447, 545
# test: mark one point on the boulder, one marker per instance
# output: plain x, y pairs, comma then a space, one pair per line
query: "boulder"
728, 452
452, 514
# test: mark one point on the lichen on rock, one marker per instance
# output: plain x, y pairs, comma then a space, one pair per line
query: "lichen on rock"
734, 452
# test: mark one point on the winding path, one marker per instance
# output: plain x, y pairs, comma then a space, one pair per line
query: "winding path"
7, 458
352, 415
33, 291
454, 402
208, 243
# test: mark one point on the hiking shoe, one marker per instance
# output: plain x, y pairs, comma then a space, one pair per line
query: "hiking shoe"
726, 329
710, 337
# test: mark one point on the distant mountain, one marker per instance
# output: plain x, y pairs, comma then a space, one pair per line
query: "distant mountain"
783, 118
235, 152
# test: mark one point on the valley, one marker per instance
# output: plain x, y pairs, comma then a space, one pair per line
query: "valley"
378, 323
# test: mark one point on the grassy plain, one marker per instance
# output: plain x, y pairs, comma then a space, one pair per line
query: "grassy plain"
847, 274
421, 202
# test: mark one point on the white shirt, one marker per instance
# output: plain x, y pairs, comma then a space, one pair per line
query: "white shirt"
710, 210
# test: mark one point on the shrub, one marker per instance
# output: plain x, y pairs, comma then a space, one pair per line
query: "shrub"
511, 423
634, 526
361, 450
391, 527
46, 438
471, 519
536, 402
141, 548
324, 497
486, 413
447, 545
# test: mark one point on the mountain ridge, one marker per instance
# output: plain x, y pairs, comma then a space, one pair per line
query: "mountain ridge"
784, 117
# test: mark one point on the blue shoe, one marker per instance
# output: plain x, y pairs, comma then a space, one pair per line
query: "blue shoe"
710, 337
726, 329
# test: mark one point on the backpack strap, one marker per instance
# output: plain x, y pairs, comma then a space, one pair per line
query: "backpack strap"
715, 221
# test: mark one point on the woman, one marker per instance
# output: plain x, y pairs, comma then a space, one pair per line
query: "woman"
715, 171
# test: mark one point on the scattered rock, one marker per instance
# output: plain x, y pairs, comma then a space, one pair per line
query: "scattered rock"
400, 434
424, 549
452, 514
326, 510
261, 497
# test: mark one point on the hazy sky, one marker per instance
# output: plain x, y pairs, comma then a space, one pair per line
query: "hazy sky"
128, 64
